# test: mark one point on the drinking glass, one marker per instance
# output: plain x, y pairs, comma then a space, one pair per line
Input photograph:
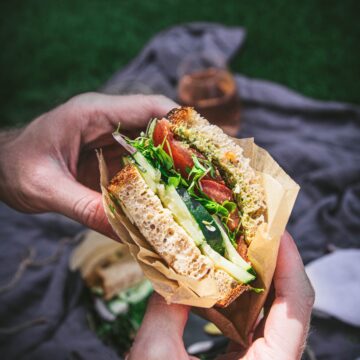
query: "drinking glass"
206, 84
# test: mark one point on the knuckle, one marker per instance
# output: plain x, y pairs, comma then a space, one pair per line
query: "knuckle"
89, 211
79, 99
82, 104
158, 98
161, 100
159, 105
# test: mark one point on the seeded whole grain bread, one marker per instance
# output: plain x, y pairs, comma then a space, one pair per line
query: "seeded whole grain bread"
169, 240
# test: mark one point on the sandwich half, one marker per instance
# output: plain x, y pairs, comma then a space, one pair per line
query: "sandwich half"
193, 195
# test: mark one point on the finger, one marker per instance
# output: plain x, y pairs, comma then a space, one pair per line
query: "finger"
170, 318
288, 320
81, 204
231, 355
290, 279
102, 113
160, 335
259, 330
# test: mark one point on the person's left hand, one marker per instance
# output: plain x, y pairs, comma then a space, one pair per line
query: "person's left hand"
51, 165
280, 335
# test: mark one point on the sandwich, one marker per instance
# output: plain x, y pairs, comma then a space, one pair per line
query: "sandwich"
195, 198
106, 266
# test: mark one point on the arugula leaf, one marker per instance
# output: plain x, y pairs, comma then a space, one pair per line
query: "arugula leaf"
256, 290
175, 181
197, 163
165, 159
150, 128
112, 209
230, 206
208, 165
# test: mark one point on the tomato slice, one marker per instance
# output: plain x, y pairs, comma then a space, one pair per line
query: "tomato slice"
233, 221
162, 130
216, 191
183, 161
242, 247
180, 155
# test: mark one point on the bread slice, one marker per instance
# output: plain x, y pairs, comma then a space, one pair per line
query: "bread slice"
235, 168
228, 288
157, 224
165, 235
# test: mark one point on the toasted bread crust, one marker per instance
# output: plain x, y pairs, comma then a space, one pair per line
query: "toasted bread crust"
128, 173
232, 295
229, 288
181, 115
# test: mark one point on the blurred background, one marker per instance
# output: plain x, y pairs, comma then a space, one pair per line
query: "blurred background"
52, 50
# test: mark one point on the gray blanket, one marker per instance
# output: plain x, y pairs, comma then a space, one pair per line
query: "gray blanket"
317, 143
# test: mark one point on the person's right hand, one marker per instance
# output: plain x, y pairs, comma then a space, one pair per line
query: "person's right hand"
51, 165
281, 335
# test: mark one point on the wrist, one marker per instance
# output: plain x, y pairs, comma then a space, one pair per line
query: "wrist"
7, 138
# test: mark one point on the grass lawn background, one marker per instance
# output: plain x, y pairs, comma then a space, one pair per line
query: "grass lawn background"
53, 49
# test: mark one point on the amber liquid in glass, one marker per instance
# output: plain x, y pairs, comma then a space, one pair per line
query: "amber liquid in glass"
213, 93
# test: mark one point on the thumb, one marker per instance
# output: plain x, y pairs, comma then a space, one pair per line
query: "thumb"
289, 316
160, 335
80, 204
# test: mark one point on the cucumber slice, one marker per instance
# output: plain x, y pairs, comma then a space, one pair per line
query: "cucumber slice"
207, 224
150, 128
230, 251
235, 271
151, 175
172, 200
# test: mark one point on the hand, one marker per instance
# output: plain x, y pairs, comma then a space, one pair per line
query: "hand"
51, 164
280, 335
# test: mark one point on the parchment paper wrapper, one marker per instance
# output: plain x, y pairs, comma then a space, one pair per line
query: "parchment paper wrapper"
238, 319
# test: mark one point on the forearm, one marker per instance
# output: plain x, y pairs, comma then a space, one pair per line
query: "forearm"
27, 175
7, 138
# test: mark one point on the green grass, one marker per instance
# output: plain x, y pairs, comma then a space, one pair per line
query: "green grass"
52, 50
